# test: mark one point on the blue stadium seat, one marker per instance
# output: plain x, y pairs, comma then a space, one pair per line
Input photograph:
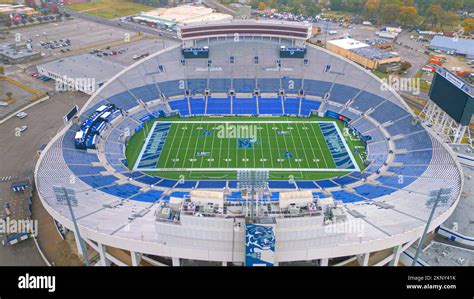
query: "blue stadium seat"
270, 106
218, 105
149, 196
342, 93
244, 106
180, 105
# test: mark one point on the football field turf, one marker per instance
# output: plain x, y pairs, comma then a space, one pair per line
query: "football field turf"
216, 148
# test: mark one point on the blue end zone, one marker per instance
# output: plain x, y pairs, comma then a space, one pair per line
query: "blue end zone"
154, 145
336, 146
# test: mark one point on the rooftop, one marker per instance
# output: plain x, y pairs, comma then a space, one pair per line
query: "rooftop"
16, 51
84, 66
461, 45
182, 14
374, 53
348, 43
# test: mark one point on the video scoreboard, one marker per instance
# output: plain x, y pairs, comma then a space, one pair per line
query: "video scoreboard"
453, 95
202, 52
287, 52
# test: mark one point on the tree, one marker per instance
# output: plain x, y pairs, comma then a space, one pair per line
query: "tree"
261, 5
371, 8
337, 4
405, 65
434, 12
9, 98
468, 25
408, 15
449, 18
390, 12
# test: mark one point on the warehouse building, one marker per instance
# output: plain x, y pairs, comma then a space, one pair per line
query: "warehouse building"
85, 73
185, 14
461, 46
365, 55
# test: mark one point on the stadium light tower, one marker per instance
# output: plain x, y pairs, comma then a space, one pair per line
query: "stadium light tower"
64, 196
435, 197
253, 180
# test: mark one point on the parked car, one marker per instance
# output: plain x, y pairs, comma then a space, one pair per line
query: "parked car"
21, 115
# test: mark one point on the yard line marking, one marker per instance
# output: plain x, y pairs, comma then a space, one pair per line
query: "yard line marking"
278, 146
304, 148
187, 146
312, 148
286, 145
204, 145
179, 145
319, 146
301, 144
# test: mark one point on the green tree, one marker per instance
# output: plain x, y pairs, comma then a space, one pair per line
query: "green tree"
408, 15
390, 12
435, 13
371, 8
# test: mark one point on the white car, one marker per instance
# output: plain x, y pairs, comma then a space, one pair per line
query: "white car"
21, 115
21, 129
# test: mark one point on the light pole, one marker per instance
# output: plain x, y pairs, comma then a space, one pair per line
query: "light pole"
64, 196
435, 197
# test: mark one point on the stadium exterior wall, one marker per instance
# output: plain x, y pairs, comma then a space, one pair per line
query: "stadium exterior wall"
193, 253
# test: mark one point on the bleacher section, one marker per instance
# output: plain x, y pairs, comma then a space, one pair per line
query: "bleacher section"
418, 143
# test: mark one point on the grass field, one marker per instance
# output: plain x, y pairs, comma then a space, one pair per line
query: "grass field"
110, 9
215, 148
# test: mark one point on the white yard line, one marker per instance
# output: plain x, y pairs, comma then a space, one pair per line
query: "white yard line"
320, 148
187, 147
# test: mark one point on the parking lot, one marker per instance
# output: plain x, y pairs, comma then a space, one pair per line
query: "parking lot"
20, 97
82, 35
149, 46
19, 157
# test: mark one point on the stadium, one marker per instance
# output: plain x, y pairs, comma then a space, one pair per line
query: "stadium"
246, 145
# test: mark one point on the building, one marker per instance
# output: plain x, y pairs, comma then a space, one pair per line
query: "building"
18, 53
364, 54
85, 73
185, 14
16, 12
461, 46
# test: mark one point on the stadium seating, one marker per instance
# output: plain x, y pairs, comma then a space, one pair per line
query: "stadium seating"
244, 106
181, 106
270, 106
292, 106
418, 143
218, 106
308, 105
342, 93
366, 100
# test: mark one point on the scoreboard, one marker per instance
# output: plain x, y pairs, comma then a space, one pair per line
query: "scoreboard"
196, 52
453, 95
287, 52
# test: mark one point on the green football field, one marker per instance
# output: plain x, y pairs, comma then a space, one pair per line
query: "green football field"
218, 147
